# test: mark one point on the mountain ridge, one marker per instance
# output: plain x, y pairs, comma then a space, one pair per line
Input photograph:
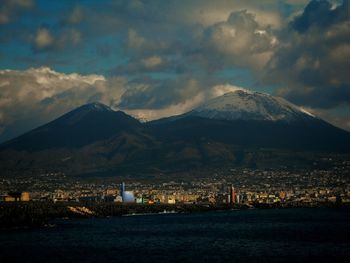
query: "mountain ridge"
94, 138
248, 105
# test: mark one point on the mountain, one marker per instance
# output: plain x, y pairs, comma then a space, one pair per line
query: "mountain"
248, 105
253, 119
239, 129
82, 126
91, 138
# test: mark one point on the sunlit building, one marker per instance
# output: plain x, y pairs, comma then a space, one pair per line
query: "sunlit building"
127, 196
17, 196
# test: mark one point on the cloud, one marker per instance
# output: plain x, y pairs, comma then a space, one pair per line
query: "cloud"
148, 64
35, 96
152, 62
43, 39
311, 63
138, 45
330, 13
29, 98
9, 9
149, 93
151, 99
76, 15
171, 110
69, 37
239, 41
191, 98
222, 89
207, 13
134, 40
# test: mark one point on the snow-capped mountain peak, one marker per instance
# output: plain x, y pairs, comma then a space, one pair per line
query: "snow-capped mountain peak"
248, 105
97, 106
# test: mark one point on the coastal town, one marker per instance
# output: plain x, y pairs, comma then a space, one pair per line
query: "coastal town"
238, 186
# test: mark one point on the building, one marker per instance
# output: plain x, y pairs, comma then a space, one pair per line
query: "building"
232, 195
25, 197
17, 197
238, 198
127, 196
118, 199
171, 200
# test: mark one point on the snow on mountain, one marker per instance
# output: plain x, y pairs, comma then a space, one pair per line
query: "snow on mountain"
248, 105
96, 106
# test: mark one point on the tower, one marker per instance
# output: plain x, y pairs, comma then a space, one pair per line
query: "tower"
122, 189
232, 194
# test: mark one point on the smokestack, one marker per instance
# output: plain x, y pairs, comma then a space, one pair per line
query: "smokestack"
122, 189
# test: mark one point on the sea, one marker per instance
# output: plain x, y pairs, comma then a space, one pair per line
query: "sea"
252, 235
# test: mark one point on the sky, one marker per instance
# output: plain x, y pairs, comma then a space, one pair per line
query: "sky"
157, 58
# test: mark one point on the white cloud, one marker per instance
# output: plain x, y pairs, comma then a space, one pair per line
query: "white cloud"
220, 90
35, 96
241, 40
43, 38
152, 62
171, 110
192, 96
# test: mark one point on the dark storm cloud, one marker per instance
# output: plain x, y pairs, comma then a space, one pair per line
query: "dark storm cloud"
320, 13
149, 93
238, 40
313, 59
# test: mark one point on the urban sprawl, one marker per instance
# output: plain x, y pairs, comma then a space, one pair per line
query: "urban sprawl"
240, 186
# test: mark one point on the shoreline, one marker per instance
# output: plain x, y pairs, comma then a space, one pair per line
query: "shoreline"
39, 214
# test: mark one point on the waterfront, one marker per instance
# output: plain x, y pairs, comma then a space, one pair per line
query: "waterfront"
267, 186
255, 235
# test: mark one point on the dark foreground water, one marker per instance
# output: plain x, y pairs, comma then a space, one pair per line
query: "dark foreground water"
283, 235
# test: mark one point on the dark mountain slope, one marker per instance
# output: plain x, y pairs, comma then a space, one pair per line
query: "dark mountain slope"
313, 135
82, 126
253, 119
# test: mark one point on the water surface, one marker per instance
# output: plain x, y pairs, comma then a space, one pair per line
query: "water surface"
271, 235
